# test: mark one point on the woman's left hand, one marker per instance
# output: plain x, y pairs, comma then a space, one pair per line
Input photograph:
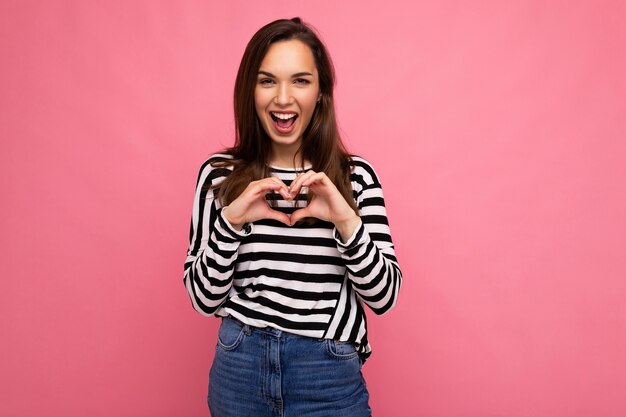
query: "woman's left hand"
326, 203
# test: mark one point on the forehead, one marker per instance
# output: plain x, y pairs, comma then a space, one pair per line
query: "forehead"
288, 57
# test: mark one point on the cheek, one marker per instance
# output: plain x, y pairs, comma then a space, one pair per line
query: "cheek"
309, 101
260, 99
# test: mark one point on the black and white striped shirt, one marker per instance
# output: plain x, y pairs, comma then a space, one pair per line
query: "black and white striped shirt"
302, 279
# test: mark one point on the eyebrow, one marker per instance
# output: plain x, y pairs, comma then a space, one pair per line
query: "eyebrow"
297, 74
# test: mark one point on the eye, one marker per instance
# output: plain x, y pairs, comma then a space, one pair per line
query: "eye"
302, 81
266, 81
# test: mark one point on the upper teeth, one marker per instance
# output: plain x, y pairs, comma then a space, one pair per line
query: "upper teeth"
284, 116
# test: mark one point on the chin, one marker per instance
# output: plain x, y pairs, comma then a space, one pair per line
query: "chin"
284, 141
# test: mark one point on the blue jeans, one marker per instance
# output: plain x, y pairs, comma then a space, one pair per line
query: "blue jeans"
260, 372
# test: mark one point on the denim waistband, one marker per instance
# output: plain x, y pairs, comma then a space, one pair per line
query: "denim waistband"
268, 330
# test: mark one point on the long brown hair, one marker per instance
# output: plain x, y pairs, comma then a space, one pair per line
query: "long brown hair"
321, 143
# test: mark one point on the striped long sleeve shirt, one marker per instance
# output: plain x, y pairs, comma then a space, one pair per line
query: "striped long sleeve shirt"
302, 279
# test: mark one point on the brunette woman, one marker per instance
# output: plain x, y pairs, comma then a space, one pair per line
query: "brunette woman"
289, 239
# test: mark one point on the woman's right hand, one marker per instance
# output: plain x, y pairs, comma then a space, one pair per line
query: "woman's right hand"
251, 204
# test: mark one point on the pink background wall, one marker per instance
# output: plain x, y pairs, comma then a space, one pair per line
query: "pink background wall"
498, 130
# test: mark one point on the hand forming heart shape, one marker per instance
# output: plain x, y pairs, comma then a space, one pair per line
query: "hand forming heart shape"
326, 203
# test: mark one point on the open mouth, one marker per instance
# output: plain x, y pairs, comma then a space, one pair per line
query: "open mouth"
284, 121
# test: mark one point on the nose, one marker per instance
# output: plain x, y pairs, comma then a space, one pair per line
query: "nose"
283, 94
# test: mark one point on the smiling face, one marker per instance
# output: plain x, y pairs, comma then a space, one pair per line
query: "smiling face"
285, 95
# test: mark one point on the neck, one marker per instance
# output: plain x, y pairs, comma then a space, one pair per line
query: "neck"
286, 156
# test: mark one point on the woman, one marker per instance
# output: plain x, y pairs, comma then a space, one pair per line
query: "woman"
289, 237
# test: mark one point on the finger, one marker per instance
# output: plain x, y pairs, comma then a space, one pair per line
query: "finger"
279, 216
284, 190
265, 185
316, 183
299, 215
320, 177
280, 189
297, 184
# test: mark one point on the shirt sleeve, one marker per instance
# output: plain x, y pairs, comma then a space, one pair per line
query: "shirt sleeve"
213, 246
369, 253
